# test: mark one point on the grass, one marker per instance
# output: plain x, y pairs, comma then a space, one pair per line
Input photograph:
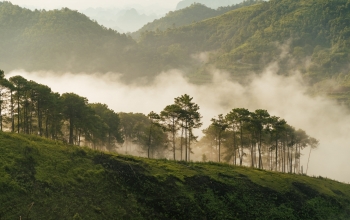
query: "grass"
43, 179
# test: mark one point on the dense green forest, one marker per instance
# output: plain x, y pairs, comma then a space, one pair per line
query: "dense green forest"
251, 37
43, 179
55, 40
66, 41
310, 37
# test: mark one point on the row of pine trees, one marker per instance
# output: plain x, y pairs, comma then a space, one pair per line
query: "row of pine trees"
258, 140
241, 137
32, 108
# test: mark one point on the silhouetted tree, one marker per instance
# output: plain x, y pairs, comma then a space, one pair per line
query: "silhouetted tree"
73, 111
170, 117
112, 120
240, 117
190, 118
221, 125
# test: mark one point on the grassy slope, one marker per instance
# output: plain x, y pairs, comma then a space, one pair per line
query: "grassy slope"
65, 181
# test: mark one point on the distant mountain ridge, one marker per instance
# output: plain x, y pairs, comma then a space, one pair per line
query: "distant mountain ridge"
209, 3
126, 20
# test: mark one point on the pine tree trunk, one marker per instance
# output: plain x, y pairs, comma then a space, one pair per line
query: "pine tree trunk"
234, 148
71, 127
173, 130
219, 146
0, 111
276, 152
241, 155
181, 141
259, 149
189, 145
12, 114
18, 115
149, 141
186, 130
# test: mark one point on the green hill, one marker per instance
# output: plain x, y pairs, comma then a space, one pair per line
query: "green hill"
59, 40
288, 32
42, 179
68, 41
311, 36
194, 13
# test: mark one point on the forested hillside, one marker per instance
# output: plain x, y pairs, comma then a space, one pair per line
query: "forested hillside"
62, 40
251, 37
194, 13
42, 179
311, 36
65, 41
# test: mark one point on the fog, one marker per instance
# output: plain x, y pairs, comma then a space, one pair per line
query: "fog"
79, 5
123, 15
283, 96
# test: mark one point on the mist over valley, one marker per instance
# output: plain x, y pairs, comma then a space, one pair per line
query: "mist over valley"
287, 97
159, 106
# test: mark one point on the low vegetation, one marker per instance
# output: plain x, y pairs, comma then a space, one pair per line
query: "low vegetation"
44, 179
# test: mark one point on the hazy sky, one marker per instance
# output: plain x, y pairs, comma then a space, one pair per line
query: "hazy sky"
80, 5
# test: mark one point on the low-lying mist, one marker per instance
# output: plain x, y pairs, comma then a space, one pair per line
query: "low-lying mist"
282, 96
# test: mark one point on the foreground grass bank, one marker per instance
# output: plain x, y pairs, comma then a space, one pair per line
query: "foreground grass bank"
42, 179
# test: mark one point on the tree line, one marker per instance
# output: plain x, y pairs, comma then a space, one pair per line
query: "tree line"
241, 137
32, 108
257, 139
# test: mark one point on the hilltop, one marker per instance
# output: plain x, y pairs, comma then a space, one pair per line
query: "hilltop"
306, 36
213, 4
43, 179
252, 36
193, 13
58, 40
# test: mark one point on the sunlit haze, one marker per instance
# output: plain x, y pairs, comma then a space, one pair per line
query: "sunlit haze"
179, 109
79, 5
284, 97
